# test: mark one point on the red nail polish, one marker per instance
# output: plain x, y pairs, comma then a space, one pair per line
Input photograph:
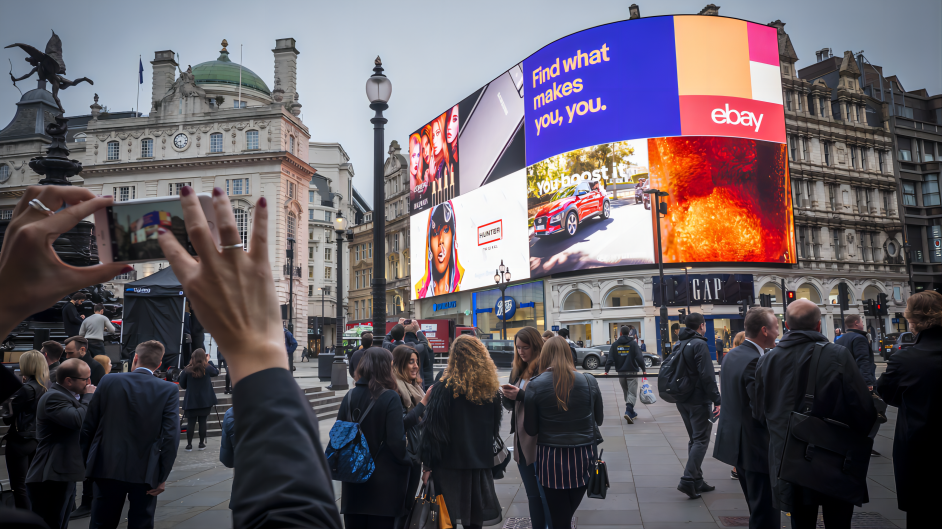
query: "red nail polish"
185, 191
127, 268
217, 192
161, 231
262, 203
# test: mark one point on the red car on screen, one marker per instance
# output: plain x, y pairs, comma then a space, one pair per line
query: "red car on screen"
569, 207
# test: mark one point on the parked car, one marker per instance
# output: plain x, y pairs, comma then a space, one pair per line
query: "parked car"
569, 207
904, 340
589, 357
502, 351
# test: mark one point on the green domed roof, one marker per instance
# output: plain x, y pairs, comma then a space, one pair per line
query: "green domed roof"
224, 71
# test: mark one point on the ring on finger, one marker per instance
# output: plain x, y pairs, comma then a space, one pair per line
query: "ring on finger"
39, 206
232, 246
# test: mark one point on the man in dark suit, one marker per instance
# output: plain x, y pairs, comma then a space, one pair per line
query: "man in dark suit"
130, 438
77, 347
742, 441
856, 341
71, 318
53, 352
58, 462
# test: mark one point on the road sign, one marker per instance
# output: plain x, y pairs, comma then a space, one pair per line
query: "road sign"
555, 328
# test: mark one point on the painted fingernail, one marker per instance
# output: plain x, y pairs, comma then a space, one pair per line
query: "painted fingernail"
218, 192
106, 196
161, 231
185, 191
126, 269
262, 203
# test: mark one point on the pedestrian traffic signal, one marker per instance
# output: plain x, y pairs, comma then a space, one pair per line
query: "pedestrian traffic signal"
789, 297
843, 296
882, 309
682, 315
868, 307
765, 300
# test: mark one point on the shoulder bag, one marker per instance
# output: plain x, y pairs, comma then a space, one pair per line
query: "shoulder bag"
425, 514
824, 455
597, 486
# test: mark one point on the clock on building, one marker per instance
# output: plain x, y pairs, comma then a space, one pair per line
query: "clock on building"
180, 141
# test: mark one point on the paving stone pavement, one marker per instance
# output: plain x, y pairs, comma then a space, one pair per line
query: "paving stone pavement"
645, 462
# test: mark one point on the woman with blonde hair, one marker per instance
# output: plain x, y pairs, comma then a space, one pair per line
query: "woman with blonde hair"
527, 347
461, 422
21, 437
105, 362
200, 397
563, 409
739, 339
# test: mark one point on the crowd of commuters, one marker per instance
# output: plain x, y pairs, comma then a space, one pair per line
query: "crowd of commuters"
122, 436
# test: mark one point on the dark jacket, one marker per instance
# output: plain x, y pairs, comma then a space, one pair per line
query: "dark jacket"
197, 333
290, 343
98, 370
384, 494
552, 426
741, 440
23, 405
781, 379
697, 354
227, 441
857, 343
283, 480
59, 417
625, 355
71, 319
912, 384
390, 344
426, 357
354, 362
132, 429
509, 405
572, 349
199, 391
458, 433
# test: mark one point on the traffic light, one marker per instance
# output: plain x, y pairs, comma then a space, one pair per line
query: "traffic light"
789, 297
744, 306
670, 290
868, 307
765, 300
682, 315
842, 296
882, 309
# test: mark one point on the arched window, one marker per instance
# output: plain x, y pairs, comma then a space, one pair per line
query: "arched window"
113, 150
242, 225
578, 300
871, 292
215, 142
4, 172
292, 225
809, 292
397, 303
251, 139
147, 148
774, 290
80, 137
623, 297
832, 296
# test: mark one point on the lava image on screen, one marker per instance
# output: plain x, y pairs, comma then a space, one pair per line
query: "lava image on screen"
729, 200
433, 162
136, 225
587, 209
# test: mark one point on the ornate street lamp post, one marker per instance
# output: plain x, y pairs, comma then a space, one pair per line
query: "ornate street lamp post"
502, 277
378, 91
338, 370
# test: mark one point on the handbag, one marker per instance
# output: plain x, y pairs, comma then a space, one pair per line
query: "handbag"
444, 519
500, 451
647, 394
881, 408
424, 514
822, 454
598, 484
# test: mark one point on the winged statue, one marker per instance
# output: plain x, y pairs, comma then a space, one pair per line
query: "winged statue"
48, 67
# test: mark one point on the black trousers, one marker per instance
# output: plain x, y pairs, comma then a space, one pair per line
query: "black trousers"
837, 515
96, 347
88, 489
191, 425
696, 419
109, 501
921, 518
53, 501
562, 505
758, 490
19, 454
365, 521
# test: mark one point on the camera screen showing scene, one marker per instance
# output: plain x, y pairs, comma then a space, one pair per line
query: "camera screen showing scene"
135, 228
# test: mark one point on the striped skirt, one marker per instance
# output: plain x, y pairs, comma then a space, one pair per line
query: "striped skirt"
563, 467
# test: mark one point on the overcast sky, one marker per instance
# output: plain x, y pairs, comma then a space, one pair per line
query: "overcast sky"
435, 53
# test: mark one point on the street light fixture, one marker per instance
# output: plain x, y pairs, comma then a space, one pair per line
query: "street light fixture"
378, 92
687, 287
338, 370
502, 277
660, 208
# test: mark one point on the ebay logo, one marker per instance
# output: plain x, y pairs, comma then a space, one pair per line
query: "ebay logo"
735, 117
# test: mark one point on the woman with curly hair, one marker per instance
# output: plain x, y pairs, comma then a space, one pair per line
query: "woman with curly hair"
461, 422
911, 383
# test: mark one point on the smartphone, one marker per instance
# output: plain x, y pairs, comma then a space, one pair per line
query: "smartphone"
127, 231
407, 322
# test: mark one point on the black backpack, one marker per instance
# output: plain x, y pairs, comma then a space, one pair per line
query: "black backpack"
674, 383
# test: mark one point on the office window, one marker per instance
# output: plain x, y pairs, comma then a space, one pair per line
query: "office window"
827, 152
811, 104
215, 142
327, 272
837, 244
876, 247
310, 272
803, 242
880, 161
147, 148
242, 225
251, 139
292, 225
125, 193
292, 189
310, 253
395, 240
928, 151
858, 195
853, 156
788, 99
824, 105
328, 253
369, 247
792, 147
356, 251
832, 196
310, 197
857, 112
930, 190
237, 186
291, 144
310, 290
328, 216
238, 104
175, 187
863, 244
113, 150
909, 194
4, 172
805, 151
886, 202
310, 214
863, 159
310, 233
905, 149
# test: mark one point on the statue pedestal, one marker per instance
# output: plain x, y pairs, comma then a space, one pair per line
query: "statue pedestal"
56, 165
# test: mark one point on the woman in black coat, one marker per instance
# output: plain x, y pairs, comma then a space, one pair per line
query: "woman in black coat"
376, 503
562, 409
912, 384
21, 438
199, 398
461, 422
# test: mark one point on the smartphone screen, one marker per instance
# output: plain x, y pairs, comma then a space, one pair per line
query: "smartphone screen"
134, 228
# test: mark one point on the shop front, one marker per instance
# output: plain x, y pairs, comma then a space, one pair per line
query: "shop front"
522, 306
454, 307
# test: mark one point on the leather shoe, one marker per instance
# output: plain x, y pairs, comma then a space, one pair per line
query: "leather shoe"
733, 474
874, 453
703, 486
83, 511
688, 488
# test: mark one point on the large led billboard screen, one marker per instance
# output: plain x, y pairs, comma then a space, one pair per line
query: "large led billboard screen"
555, 155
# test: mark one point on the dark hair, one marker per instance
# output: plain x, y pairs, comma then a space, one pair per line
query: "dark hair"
150, 353
78, 296
924, 310
694, 320
402, 355
375, 368
52, 349
198, 363
397, 332
548, 334
80, 342
98, 307
564, 332
756, 319
367, 339
850, 320
625, 330
531, 337
71, 368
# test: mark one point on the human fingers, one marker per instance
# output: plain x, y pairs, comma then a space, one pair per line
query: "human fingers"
196, 226
225, 219
259, 247
30, 193
180, 260
72, 278
66, 219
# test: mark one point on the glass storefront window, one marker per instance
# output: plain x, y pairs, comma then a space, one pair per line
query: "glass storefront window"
614, 330
581, 333
484, 303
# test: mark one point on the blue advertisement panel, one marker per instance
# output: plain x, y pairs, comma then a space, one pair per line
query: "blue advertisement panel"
606, 84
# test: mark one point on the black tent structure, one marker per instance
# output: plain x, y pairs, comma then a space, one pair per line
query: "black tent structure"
153, 310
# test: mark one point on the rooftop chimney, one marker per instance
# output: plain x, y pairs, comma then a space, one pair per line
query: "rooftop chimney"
823, 54
634, 11
165, 69
286, 66
710, 10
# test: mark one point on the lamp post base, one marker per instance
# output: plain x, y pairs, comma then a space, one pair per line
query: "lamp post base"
338, 375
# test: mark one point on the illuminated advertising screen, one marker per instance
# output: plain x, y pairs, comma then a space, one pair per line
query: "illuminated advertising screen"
557, 152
